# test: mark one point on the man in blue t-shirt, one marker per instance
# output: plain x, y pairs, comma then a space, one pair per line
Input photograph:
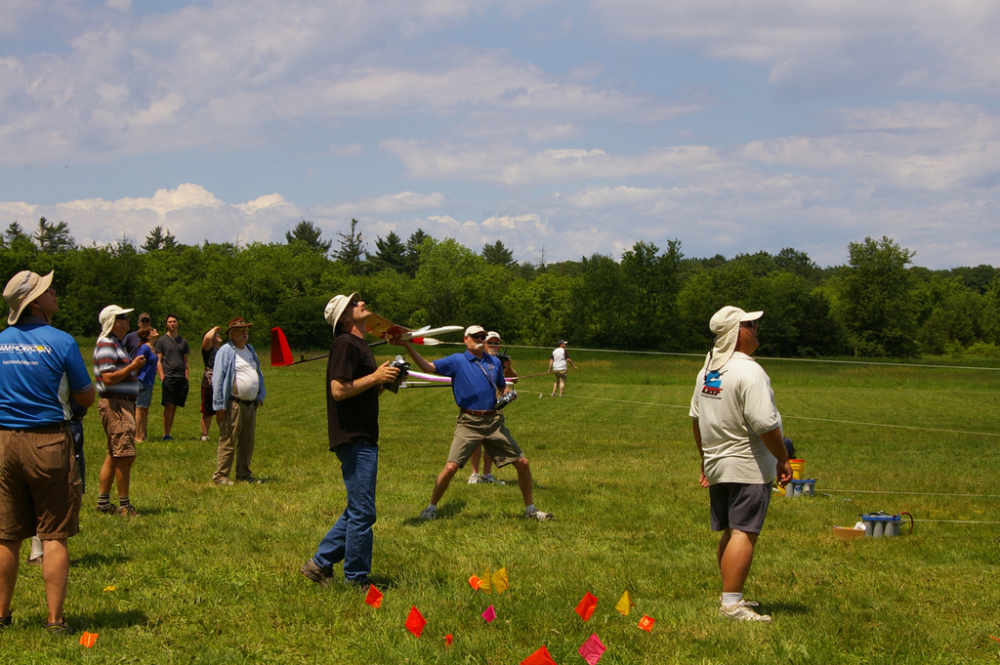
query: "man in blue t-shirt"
476, 377
40, 367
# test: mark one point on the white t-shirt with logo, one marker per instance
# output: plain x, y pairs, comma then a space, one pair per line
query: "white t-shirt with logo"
246, 384
559, 360
732, 405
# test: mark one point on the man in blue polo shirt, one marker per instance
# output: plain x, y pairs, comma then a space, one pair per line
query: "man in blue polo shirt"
40, 367
476, 378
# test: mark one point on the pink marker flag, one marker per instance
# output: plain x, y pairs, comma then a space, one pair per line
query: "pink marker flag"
490, 614
592, 650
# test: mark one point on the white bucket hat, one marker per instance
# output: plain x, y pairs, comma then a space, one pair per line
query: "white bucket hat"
22, 289
726, 325
335, 308
107, 318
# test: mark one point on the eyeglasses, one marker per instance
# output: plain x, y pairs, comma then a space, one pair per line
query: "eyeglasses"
354, 303
121, 317
478, 336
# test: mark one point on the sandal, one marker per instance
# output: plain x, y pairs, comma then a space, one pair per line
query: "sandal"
6, 621
59, 628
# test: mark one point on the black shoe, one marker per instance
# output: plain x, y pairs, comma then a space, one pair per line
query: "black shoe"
59, 628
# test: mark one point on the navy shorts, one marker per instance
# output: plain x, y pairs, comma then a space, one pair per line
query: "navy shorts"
739, 506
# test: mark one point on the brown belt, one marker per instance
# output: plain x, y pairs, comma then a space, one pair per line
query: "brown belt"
479, 413
126, 398
51, 428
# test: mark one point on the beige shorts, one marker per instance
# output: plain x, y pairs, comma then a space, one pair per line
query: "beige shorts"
490, 431
40, 488
118, 418
560, 375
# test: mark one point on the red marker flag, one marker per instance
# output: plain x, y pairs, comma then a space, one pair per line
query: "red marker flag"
646, 623
475, 582
540, 657
448, 639
592, 650
374, 597
415, 622
88, 639
587, 606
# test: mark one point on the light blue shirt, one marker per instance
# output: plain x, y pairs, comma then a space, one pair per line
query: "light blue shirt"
225, 373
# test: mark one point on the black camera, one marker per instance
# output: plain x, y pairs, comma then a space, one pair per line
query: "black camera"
505, 400
404, 369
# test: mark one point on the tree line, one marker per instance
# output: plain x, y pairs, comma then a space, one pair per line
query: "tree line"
877, 305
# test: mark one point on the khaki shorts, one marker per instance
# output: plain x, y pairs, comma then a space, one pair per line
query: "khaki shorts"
489, 430
40, 489
118, 418
560, 375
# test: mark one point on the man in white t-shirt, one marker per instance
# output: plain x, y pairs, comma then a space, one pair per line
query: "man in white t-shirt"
557, 364
737, 429
237, 392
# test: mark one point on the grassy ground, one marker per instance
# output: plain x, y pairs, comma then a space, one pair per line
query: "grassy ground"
210, 574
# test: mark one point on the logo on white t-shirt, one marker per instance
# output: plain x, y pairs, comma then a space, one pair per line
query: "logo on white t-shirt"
713, 384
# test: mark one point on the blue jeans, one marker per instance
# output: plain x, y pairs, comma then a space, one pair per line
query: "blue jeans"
350, 539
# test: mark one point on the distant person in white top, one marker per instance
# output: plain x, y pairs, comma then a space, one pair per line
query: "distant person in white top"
737, 429
237, 392
557, 364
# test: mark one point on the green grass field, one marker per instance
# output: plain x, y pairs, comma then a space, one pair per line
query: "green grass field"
210, 574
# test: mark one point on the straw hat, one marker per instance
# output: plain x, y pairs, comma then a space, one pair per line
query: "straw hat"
726, 325
22, 289
107, 318
335, 308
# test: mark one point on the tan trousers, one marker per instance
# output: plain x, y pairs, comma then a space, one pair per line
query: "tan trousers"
236, 438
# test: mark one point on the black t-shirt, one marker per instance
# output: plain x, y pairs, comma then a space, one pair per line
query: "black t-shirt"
173, 351
354, 419
208, 357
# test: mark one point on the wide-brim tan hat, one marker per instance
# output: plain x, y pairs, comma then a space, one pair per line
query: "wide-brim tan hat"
107, 317
238, 322
726, 325
335, 308
22, 289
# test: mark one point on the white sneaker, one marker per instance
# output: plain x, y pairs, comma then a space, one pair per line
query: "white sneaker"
488, 478
536, 514
743, 611
204, 437
474, 478
428, 513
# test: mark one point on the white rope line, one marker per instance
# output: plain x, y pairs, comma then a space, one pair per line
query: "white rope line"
957, 521
984, 496
798, 360
822, 420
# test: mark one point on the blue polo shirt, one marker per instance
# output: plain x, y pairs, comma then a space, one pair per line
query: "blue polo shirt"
39, 367
474, 381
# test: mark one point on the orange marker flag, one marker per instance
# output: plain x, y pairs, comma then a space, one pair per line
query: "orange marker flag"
625, 604
587, 606
500, 581
88, 639
475, 582
484, 582
448, 639
415, 622
646, 623
374, 597
540, 657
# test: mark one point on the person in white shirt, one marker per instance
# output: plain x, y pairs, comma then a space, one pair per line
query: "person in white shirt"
738, 431
558, 364
237, 392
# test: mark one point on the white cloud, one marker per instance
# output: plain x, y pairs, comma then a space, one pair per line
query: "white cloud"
818, 47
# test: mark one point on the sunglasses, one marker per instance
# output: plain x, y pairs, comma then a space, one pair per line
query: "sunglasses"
121, 317
478, 337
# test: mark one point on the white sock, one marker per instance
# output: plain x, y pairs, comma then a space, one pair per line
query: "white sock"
730, 599
432, 506
529, 509
36, 548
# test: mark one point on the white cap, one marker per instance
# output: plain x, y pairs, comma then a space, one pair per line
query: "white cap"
107, 318
726, 325
472, 330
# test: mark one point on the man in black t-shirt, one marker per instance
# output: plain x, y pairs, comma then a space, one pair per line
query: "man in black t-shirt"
173, 352
353, 384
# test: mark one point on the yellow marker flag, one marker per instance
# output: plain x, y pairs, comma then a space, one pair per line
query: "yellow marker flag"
500, 581
625, 604
486, 585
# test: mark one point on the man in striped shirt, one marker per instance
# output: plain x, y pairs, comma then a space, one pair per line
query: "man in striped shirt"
115, 375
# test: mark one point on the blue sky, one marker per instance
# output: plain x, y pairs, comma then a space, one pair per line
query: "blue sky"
563, 128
